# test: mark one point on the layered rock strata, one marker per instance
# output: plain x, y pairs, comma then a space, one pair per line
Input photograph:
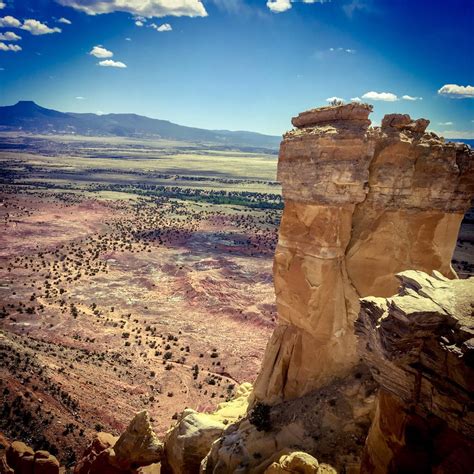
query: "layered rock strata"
360, 206
419, 345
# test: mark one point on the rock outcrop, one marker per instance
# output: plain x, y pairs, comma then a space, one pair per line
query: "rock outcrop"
187, 443
135, 451
20, 458
360, 206
419, 345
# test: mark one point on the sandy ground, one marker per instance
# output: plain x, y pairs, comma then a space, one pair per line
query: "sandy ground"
109, 307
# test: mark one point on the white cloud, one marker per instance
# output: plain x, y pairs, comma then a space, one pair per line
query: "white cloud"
148, 8
100, 52
128, 39
445, 123
79, 97
37, 28
384, 96
356, 99
355, 5
9, 47
459, 134
65, 21
331, 99
279, 6
139, 23
9, 36
2, 5
343, 50
9, 21
162, 28
412, 98
112, 63
455, 91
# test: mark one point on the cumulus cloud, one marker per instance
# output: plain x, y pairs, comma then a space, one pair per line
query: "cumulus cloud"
148, 8
410, 97
139, 23
9, 47
65, 21
356, 99
455, 91
2, 5
100, 52
112, 63
343, 50
384, 96
9, 36
9, 21
279, 6
37, 28
162, 28
332, 99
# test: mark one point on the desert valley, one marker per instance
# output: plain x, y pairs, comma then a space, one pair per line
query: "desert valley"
137, 271
237, 237
136, 274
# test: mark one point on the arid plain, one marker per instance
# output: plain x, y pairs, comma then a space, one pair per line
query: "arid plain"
134, 274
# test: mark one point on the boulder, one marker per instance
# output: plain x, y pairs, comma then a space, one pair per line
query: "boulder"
296, 462
138, 445
189, 441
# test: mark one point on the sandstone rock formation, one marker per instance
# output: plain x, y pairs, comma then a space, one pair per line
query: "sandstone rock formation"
419, 345
299, 463
20, 458
136, 449
187, 443
138, 445
360, 205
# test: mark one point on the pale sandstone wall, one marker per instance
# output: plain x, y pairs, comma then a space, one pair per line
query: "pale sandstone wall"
360, 206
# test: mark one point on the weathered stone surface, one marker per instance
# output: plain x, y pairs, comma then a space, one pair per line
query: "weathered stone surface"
21, 459
189, 441
15, 452
403, 122
334, 114
4, 467
295, 462
96, 457
45, 463
418, 345
311, 424
360, 206
138, 445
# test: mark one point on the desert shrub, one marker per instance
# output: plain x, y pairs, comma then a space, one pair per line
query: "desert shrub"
260, 417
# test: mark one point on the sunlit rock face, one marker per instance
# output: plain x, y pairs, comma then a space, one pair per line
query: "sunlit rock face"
361, 205
419, 346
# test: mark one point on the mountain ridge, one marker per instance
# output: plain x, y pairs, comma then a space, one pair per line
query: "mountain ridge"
28, 116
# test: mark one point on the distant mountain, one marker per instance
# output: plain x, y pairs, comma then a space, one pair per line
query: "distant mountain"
30, 117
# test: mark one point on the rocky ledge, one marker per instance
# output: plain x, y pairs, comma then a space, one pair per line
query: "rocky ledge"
419, 346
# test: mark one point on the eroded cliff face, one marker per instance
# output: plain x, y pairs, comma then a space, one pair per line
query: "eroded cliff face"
360, 206
419, 345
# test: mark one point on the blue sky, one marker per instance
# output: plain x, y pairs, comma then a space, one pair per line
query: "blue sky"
241, 64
